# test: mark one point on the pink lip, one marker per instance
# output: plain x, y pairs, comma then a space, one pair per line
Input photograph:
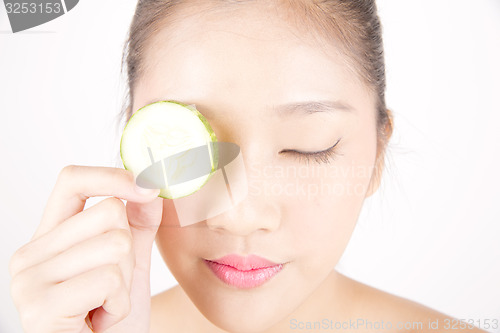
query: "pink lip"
243, 272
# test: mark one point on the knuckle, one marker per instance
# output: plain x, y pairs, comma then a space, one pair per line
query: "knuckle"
112, 275
68, 175
120, 242
20, 288
115, 208
29, 303
17, 261
13, 264
68, 171
29, 317
15, 289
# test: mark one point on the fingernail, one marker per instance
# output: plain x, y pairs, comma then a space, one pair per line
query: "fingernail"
146, 191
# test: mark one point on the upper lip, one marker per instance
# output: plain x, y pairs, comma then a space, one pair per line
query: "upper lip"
244, 263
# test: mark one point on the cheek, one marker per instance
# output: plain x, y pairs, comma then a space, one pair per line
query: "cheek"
173, 242
323, 214
321, 221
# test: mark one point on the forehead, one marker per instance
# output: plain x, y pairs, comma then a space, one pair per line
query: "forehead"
243, 53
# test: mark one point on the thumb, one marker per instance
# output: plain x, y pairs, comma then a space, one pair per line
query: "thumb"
144, 220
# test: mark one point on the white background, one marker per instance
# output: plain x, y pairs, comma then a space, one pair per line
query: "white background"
431, 233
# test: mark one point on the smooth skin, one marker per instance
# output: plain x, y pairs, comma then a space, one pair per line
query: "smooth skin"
236, 70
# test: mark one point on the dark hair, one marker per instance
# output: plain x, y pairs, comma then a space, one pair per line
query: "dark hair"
354, 24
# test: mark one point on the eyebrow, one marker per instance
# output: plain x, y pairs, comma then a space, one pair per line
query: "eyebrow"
312, 107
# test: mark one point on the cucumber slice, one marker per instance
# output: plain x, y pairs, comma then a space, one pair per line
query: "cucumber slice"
167, 143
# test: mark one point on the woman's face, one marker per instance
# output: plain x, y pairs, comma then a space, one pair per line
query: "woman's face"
241, 70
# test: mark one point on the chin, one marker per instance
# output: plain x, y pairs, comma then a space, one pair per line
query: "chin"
244, 321
235, 310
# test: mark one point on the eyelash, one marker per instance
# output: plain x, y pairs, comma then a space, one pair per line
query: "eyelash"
324, 156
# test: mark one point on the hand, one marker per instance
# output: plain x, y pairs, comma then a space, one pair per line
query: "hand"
89, 265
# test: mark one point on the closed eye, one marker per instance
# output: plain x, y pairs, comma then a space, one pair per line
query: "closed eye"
324, 156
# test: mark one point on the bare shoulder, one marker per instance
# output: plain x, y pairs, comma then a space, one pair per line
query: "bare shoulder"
405, 315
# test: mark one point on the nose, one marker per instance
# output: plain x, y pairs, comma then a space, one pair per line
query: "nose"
258, 210
254, 213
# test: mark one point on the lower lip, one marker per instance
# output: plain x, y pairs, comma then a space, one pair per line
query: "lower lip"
243, 279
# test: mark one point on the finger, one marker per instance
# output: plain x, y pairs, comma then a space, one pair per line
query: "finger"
106, 215
103, 286
144, 220
112, 247
76, 184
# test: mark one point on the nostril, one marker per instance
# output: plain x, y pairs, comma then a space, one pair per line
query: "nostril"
213, 226
250, 216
